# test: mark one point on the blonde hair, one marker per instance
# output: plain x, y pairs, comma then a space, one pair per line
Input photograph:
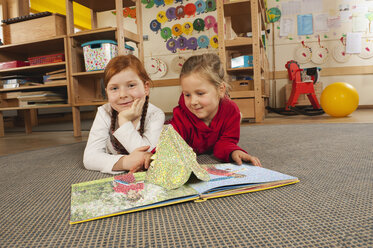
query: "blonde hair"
207, 66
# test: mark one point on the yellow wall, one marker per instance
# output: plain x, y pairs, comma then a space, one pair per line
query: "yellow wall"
82, 14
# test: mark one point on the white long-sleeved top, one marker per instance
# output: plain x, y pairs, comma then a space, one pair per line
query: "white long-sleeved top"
99, 153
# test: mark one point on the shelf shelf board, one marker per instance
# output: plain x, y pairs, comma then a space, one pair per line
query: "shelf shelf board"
54, 43
88, 73
102, 5
242, 94
104, 33
241, 69
239, 41
33, 68
37, 107
237, 7
34, 87
90, 103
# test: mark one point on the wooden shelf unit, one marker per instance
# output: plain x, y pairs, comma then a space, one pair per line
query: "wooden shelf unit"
243, 17
87, 88
22, 51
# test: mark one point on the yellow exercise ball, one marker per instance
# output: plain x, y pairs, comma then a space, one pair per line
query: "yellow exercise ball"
339, 99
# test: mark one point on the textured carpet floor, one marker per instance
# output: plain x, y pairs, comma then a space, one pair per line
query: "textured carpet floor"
332, 206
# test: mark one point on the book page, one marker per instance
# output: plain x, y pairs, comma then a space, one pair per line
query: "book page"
122, 193
232, 176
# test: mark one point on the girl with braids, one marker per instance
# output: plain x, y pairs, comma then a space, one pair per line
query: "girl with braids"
126, 128
206, 118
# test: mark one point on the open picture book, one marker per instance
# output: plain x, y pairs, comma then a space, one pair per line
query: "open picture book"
126, 193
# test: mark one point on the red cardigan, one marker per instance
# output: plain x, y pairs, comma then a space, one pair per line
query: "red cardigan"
221, 137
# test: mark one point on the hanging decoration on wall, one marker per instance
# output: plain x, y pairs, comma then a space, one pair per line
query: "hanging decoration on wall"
155, 26
177, 63
152, 65
156, 67
171, 14
161, 17
303, 54
181, 43
210, 5
166, 33
339, 52
180, 12
200, 6
214, 41
209, 22
199, 25
203, 41
366, 49
192, 43
187, 28
149, 3
319, 54
171, 45
273, 15
127, 12
177, 30
216, 27
168, 2
159, 3
190, 10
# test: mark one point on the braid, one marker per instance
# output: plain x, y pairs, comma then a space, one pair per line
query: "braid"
116, 144
143, 115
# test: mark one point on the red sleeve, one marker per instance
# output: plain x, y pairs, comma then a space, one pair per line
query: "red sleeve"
230, 136
178, 122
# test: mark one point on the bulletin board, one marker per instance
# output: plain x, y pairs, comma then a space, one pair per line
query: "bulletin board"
322, 32
173, 31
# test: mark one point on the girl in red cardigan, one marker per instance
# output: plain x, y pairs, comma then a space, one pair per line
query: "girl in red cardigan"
206, 118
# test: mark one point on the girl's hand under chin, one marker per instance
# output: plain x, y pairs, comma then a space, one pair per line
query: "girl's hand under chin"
133, 113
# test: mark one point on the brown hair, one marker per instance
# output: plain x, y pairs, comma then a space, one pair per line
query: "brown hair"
207, 66
115, 66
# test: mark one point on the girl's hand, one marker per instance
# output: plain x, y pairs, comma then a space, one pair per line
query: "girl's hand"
238, 156
137, 160
132, 113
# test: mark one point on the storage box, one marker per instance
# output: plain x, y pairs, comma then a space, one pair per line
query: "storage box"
35, 29
303, 99
46, 59
97, 54
242, 61
13, 64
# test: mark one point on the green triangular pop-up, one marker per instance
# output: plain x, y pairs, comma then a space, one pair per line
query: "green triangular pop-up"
174, 161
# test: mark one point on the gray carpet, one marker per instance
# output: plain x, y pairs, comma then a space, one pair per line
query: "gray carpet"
332, 206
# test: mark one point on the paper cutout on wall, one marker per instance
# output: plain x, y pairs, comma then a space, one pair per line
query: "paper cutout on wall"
216, 27
200, 6
199, 25
273, 15
366, 49
171, 45
152, 65
192, 43
214, 41
187, 28
177, 30
159, 3
168, 2
181, 43
177, 63
319, 54
149, 3
179, 1
210, 5
303, 54
339, 52
180, 12
155, 26
190, 10
305, 24
171, 14
203, 41
166, 33
209, 22
161, 17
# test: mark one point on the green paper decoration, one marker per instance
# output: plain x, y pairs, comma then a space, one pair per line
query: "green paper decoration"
273, 15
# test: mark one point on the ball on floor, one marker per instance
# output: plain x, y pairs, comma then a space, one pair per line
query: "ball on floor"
339, 99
